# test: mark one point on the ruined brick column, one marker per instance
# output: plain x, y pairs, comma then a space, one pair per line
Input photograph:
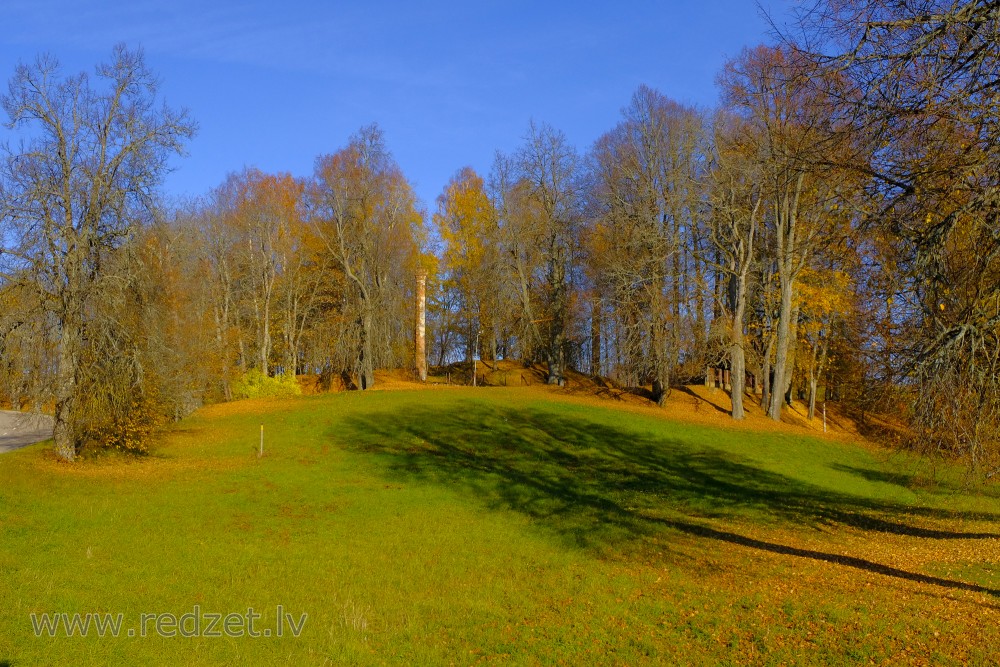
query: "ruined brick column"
420, 337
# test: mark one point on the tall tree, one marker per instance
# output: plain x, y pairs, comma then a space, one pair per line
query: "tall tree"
737, 209
263, 213
649, 192
519, 238
467, 224
795, 129
74, 190
538, 197
366, 214
549, 173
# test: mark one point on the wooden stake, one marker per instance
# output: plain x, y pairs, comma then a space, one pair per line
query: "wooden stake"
260, 452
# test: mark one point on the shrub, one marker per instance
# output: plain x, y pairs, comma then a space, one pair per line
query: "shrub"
127, 425
255, 384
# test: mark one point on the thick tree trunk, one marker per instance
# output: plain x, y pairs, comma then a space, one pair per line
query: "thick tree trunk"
367, 369
737, 357
661, 390
557, 339
784, 335
554, 373
661, 370
737, 361
557, 363
790, 358
64, 431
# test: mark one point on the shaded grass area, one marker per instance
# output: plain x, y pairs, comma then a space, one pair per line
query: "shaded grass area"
599, 485
499, 526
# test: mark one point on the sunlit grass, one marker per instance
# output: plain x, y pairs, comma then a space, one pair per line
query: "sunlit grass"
457, 526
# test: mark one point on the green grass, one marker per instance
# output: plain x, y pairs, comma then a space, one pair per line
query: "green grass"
500, 525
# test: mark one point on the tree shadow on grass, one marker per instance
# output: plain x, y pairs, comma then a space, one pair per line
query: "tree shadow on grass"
599, 486
905, 480
698, 400
838, 559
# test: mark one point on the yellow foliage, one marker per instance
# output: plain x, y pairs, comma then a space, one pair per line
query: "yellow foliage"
465, 219
823, 295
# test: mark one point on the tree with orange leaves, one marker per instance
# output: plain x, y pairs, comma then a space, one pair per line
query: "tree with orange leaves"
264, 213
366, 215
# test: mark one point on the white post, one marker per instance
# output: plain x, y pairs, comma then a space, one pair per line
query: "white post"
260, 452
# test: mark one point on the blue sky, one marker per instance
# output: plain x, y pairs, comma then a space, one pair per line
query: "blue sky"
275, 84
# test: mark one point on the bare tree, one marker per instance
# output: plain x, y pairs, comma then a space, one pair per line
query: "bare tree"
549, 171
794, 128
649, 194
519, 237
261, 217
924, 76
537, 198
74, 189
736, 204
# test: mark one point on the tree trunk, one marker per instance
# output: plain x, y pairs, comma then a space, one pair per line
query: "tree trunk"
813, 381
494, 343
661, 390
265, 338
765, 377
366, 371
737, 357
65, 429
737, 361
815, 370
781, 370
557, 338
557, 364
291, 360
595, 338
661, 369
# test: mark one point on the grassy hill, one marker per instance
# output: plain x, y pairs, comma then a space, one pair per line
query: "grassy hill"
522, 524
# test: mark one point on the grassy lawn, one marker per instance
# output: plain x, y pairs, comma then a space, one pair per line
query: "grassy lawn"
498, 525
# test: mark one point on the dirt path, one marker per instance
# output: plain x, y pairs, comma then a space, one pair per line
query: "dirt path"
19, 429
